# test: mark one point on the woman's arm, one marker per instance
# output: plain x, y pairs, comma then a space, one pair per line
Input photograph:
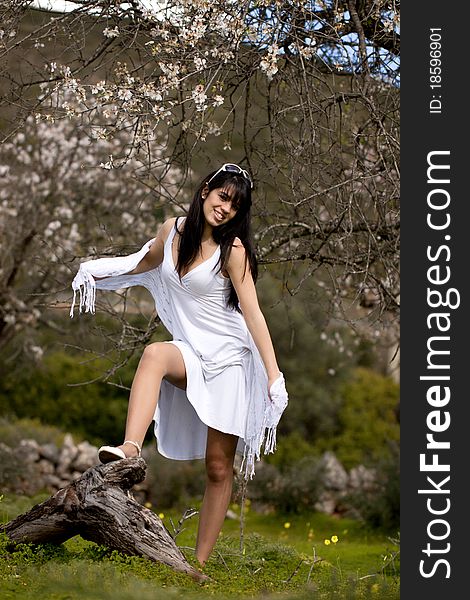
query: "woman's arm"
255, 321
154, 256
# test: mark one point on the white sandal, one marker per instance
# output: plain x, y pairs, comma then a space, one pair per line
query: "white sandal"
107, 454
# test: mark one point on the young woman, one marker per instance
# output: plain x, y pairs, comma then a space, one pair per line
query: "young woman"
216, 387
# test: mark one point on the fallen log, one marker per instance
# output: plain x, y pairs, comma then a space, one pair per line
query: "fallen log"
99, 507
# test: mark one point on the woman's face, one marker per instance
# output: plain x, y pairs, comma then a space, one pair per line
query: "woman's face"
218, 207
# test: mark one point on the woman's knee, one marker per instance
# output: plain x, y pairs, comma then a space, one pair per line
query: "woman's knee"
155, 354
219, 469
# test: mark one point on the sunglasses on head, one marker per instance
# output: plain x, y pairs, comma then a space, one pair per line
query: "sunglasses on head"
232, 168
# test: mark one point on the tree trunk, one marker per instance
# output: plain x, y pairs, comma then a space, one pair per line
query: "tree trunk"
99, 507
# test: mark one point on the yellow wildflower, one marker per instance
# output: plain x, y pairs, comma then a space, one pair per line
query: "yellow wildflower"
327, 542
286, 525
334, 539
161, 515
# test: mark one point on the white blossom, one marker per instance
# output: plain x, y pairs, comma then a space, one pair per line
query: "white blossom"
213, 129
98, 87
51, 180
99, 133
65, 212
199, 62
127, 218
111, 33
66, 70
125, 95
37, 352
52, 227
308, 51
109, 164
199, 96
269, 63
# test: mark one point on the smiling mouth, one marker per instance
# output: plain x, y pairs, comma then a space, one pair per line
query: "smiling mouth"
219, 216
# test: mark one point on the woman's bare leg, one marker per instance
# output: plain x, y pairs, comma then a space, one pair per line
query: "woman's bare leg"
159, 360
220, 453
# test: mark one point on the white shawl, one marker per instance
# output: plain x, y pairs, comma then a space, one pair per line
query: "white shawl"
261, 428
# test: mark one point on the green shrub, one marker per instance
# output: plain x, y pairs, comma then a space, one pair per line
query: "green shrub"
13, 430
367, 420
315, 359
290, 449
49, 394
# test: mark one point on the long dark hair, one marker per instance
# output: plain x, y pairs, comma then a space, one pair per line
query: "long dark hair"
224, 235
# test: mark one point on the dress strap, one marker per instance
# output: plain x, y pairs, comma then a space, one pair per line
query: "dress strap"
171, 235
175, 226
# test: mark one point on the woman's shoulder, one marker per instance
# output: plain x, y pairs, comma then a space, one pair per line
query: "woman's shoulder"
166, 227
237, 253
169, 223
238, 248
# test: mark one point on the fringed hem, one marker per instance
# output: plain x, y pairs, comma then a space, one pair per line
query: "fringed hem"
84, 281
85, 284
252, 451
270, 443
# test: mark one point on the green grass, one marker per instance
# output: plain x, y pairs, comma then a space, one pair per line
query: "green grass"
276, 562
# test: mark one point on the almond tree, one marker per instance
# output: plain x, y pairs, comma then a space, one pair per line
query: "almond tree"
303, 93
60, 199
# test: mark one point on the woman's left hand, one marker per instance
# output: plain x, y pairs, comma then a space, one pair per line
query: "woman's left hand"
279, 399
271, 380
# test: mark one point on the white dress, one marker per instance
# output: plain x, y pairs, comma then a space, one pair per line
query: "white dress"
226, 379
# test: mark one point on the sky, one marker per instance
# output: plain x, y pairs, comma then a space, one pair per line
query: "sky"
57, 5
64, 5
